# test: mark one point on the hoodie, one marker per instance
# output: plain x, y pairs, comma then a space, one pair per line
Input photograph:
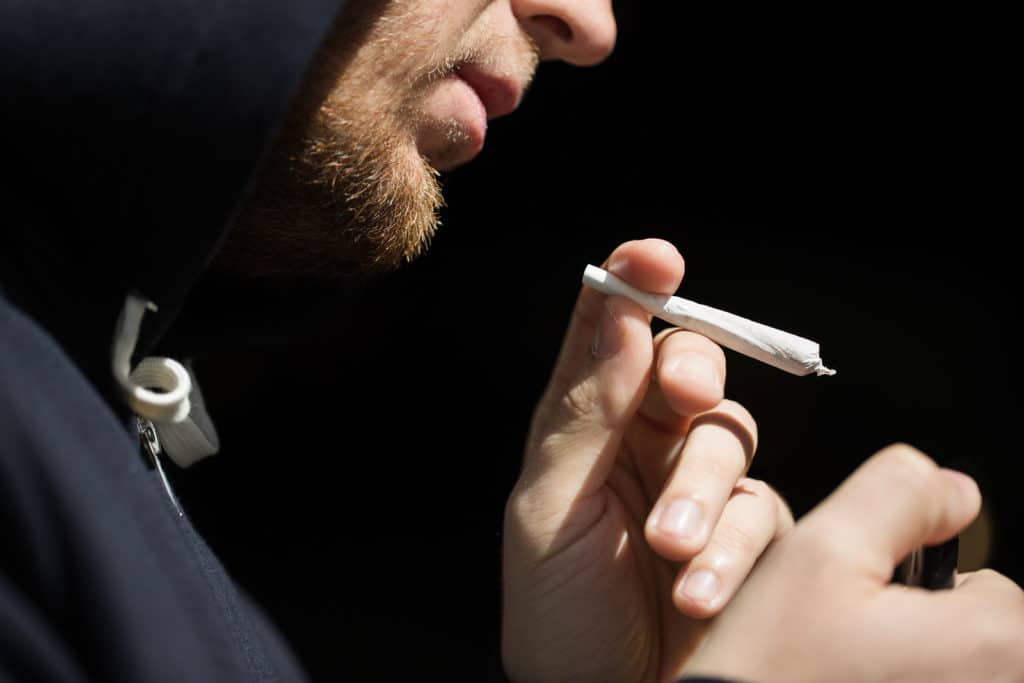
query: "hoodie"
131, 132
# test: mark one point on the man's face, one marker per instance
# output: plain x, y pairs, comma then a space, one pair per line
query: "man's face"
401, 90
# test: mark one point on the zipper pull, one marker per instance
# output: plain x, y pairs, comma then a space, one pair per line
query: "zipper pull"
151, 445
147, 435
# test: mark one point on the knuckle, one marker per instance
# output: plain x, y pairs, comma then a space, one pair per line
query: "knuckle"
699, 468
732, 416
908, 468
734, 539
736, 410
988, 575
906, 456
578, 401
564, 417
756, 487
739, 413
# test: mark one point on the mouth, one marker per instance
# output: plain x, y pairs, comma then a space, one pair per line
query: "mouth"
500, 95
457, 111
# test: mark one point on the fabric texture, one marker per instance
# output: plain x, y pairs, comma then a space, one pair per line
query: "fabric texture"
101, 579
133, 130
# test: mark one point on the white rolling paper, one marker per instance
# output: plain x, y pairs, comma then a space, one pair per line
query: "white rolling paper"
780, 349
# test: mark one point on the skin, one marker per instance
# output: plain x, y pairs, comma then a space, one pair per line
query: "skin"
596, 587
592, 586
820, 606
351, 186
633, 520
385, 74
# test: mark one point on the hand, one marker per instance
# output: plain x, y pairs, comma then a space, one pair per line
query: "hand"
632, 520
820, 607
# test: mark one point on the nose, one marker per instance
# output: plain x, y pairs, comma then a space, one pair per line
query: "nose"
580, 32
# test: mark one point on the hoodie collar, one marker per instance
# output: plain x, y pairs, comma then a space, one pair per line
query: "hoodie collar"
134, 130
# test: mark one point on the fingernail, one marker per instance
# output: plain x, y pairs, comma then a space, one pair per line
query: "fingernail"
695, 369
617, 264
701, 585
681, 518
607, 337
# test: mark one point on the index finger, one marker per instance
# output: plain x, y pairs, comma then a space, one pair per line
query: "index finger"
601, 373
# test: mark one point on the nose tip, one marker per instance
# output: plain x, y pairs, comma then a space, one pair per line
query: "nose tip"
578, 32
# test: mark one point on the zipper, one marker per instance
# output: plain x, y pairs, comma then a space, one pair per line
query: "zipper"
151, 446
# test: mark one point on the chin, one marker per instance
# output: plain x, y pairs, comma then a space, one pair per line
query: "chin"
450, 160
448, 146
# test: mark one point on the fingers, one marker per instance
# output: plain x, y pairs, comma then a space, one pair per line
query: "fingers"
989, 581
754, 516
896, 501
601, 375
689, 379
717, 452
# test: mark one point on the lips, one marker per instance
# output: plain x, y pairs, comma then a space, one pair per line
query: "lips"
499, 95
454, 114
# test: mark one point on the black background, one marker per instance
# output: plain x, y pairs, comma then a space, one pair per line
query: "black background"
839, 173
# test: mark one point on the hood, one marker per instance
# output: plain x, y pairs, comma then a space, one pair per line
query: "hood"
132, 131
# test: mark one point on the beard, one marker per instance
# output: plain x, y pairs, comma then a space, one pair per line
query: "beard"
349, 197
348, 188
344, 192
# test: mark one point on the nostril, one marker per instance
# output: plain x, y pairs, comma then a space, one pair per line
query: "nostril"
554, 25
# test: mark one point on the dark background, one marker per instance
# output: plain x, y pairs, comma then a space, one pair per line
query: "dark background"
841, 174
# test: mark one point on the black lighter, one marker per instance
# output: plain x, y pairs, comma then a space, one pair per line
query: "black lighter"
933, 568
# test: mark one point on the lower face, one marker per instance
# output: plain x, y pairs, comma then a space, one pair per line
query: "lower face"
352, 184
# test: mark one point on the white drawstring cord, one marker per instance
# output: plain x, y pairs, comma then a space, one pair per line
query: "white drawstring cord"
184, 427
171, 404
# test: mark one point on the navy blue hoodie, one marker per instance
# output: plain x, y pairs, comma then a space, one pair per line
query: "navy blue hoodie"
132, 130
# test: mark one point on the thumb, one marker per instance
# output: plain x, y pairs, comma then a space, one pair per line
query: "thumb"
600, 376
896, 501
